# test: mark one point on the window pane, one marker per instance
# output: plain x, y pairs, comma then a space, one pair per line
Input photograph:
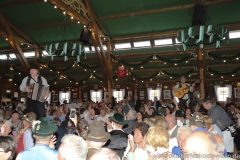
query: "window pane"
122, 45
118, 95
222, 93
153, 93
159, 42
96, 96
234, 34
142, 44
29, 54
65, 97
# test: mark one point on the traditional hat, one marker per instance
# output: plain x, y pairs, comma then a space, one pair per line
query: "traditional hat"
34, 66
43, 127
30, 117
197, 120
118, 118
96, 132
179, 113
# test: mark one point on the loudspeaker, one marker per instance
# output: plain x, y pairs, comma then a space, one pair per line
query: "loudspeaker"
85, 36
199, 15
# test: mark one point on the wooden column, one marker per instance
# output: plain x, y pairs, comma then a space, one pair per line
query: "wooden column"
80, 92
109, 63
201, 69
135, 90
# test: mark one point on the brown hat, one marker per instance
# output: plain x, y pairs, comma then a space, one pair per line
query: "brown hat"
30, 117
96, 132
197, 120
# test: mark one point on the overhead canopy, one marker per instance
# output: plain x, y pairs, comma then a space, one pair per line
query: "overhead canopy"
122, 22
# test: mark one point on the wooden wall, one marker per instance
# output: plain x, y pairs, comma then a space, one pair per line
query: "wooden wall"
83, 92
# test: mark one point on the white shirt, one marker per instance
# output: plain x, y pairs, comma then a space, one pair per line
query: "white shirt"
179, 123
170, 131
78, 105
70, 105
100, 118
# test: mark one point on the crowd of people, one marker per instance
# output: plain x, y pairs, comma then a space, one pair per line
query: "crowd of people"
128, 129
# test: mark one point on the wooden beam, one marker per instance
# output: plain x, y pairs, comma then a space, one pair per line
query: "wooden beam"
14, 44
18, 3
161, 10
46, 25
163, 34
61, 5
98, 43
109, 63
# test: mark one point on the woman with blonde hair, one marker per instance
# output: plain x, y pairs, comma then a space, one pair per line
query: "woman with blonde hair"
156, 143
210, 126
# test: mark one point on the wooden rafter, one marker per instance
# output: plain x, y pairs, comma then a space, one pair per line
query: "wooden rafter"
14, 44
162, 10
61, 5
164, 34
18, 3
98, 44
46, 25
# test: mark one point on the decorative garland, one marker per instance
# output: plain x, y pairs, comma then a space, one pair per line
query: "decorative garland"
219, 57
216, 72
152, 57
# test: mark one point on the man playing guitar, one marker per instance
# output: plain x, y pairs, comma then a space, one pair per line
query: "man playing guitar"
183, 96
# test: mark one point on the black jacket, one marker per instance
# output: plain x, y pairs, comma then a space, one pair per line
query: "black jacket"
118, 142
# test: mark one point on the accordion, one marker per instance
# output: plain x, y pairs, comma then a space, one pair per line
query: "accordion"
38, 92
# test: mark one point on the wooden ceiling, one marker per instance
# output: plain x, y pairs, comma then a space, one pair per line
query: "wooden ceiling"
29, 25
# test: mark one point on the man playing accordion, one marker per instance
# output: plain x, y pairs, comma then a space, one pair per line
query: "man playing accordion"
34, 105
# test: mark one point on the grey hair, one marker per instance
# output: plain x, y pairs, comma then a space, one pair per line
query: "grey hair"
207, 100
8, 123
105, 154
184, 130
110, 114
132, 113
79, 146
86, 113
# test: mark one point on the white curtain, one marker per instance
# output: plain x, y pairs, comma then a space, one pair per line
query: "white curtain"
149, 93
69, 95
100, 97
123, 92
159, 91
92, 95
60, 96
227, 92
49, 98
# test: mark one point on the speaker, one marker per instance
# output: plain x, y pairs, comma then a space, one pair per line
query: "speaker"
85, 36
199, 15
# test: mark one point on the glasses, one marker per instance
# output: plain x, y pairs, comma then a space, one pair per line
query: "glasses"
4, 127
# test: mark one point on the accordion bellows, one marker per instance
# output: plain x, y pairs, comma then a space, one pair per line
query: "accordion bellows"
38, 92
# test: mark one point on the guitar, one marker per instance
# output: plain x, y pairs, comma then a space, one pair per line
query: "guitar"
184, 90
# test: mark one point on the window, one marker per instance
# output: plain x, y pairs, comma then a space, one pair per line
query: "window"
159, 42
222, 92
96, 95
142, 44
29, 54
118, 95
64, 97
154, 93
123, 45
234, 34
